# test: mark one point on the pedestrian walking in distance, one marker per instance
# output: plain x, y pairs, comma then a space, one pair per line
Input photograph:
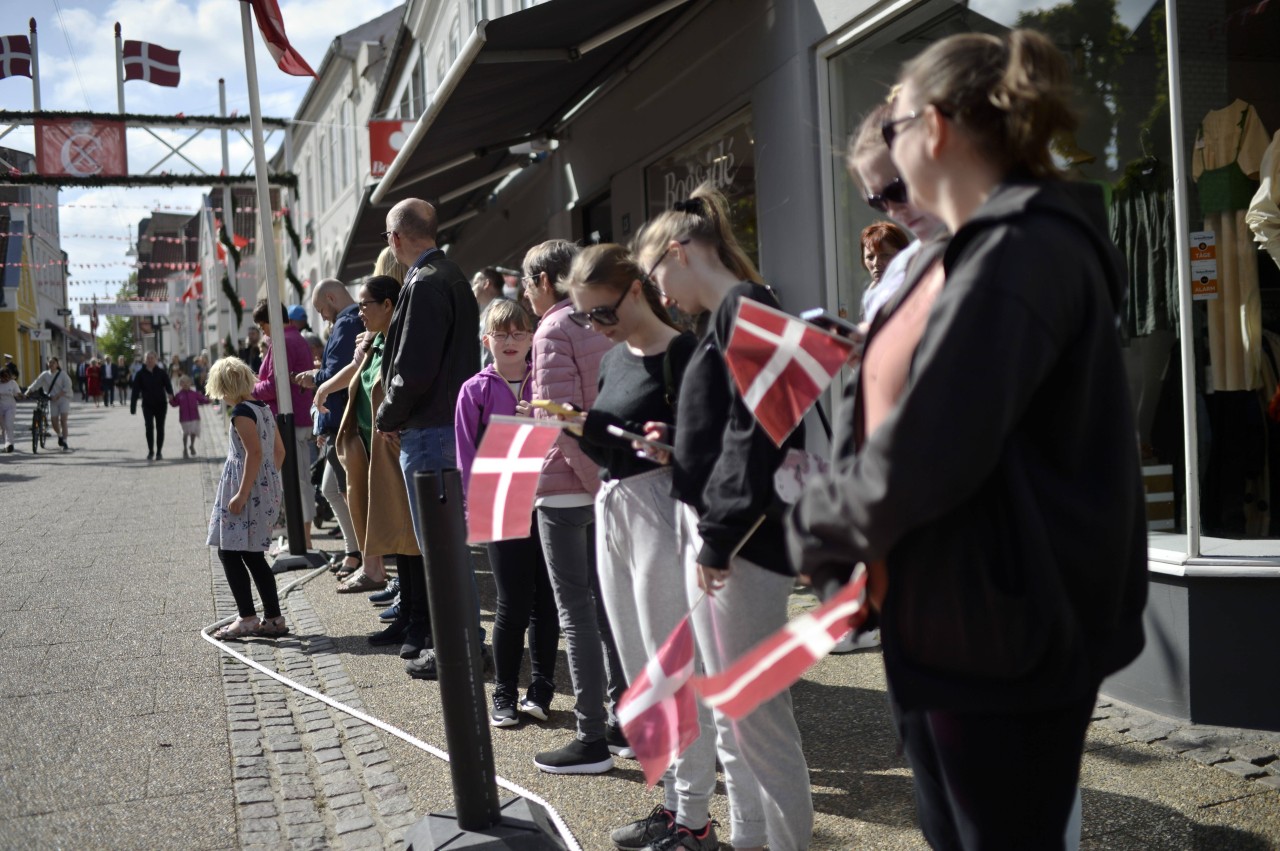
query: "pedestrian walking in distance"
151, 386
188, 401
247, 502
9, 394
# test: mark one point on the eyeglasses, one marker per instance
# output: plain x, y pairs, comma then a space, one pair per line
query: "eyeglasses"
513, 337
889, 129
367, 302
530, 280
386, 235
894, 193
599, 315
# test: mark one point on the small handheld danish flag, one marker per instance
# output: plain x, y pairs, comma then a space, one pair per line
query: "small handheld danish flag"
658, 713
782, 658
781, 365
504, 477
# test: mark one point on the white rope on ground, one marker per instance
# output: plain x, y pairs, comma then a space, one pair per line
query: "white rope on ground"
565, 834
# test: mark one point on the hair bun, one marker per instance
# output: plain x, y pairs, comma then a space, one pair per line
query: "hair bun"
693, 207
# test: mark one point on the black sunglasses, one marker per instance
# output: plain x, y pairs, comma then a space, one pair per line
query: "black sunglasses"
894, 193
599, 315
889, 127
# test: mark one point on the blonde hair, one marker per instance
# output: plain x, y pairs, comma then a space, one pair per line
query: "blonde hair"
705, 218
230, 379
387, 264
868, 140
503, 313
1011, 94
614, 267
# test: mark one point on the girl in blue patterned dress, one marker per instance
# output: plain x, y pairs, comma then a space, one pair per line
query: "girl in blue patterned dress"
247, 502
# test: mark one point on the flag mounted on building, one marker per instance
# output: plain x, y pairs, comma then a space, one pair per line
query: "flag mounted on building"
15, 56
195, 290
782, 658
659, 713
151, 63
271, 24
504, 477
781, 365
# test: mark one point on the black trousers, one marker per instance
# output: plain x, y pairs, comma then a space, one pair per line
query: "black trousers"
153, 419
989, 781
239, 566
108, 392
525, 602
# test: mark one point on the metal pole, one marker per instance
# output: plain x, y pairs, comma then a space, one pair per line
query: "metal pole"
266, 243
35, 69
1182, 228
227, 221
119, 70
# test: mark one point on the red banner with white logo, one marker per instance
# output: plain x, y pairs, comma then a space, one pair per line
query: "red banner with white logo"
76, 147
386, 138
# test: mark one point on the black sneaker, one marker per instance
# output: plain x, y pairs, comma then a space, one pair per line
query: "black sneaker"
529, 706
393, 634
504, 711
159, 456
577, 757
537, 700
683, 837
424, 667
150, 455
617, 742
639, 835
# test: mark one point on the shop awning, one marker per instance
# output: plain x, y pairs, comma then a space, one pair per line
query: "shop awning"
515, 80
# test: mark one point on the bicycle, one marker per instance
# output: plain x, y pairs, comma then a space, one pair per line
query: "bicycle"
40, 422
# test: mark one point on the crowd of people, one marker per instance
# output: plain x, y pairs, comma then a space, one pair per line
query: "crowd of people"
986, 425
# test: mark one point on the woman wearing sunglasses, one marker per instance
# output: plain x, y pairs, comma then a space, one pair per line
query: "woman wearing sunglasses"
731, 518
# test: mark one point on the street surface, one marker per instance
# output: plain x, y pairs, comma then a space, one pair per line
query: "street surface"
120, 727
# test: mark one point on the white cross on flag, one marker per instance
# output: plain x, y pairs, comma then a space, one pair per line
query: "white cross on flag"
151, 63
781, 365
658, 713
504, 477
782, 658
271, 23
15, 56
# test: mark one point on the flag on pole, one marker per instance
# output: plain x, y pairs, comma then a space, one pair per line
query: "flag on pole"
782, 658
271, 23
196, 288
151, 63
15, 56
659, 713
504, 477
781, 365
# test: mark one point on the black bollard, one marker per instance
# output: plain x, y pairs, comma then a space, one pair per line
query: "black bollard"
478, 821
299, 558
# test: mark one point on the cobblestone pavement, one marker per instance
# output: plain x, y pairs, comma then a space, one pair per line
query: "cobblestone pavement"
121, 728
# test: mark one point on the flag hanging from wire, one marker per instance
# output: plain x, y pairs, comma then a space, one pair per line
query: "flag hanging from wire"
504, 477
151, 63
15, 56
781, 365
271, 24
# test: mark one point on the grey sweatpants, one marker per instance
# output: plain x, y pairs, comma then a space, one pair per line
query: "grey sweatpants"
329, 488
765, 771
638, 556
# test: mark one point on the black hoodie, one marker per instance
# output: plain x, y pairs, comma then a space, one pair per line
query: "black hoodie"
1004, 491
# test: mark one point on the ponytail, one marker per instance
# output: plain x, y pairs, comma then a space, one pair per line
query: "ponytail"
704, 217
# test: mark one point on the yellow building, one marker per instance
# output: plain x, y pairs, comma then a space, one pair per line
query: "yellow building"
18, 311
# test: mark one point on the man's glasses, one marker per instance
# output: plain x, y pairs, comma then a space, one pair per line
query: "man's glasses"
386, 235
599, 315
513, 337
894, 193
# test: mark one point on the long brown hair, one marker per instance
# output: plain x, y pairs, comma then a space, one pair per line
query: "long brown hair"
613, 267
704, 217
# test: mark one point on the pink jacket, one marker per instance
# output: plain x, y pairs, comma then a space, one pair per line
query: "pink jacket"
188, 403
298, 357
566, 369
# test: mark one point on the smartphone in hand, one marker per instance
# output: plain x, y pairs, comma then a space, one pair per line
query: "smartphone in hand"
833, 324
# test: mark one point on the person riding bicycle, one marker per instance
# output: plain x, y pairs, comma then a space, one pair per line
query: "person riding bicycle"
57, 384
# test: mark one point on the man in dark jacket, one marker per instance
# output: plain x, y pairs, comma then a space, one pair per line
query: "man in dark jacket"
151, 386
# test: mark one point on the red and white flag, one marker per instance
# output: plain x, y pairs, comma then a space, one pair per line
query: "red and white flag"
15, 56
659, 713
151, 63
196, 288
504, 477
782, 658
781, 365
271, 23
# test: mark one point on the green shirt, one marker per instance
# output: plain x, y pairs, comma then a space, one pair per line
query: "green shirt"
364, 395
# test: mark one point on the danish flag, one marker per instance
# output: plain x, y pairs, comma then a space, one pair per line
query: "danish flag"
271, 23
196, 289
504, 477
782, 658
15, 56
781, 365
658, 713
151, 63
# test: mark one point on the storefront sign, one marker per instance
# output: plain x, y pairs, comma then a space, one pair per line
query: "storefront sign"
1204, 265
386, 138
724, 156
127, 308
80, 148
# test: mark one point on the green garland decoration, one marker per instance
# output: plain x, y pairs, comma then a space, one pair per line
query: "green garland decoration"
293, 234
234, 298
18, 116
228, 243
288, 179
228, 346
293, 279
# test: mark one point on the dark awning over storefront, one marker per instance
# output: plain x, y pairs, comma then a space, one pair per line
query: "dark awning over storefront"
514, 81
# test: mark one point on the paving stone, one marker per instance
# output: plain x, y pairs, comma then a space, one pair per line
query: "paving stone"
393, 806
341, 787
402, 820
297, 791
363, 839
259, 825
263, 810
352, 824
328, 755
1271, 781
389, 790
1256, 754
268, 839
254, 796
1246, 770
349, 799
305, 815
374, 758
366, 747
1207, 756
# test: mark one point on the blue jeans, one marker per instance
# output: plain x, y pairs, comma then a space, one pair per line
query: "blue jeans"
431, 449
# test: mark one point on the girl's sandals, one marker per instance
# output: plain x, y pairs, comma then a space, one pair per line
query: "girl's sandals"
361, 583
347, 570
272, 628
240, 628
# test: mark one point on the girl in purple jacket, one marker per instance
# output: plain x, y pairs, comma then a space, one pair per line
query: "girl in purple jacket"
188, 402
525, 598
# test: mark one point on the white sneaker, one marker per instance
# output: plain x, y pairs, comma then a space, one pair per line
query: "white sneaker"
850, 642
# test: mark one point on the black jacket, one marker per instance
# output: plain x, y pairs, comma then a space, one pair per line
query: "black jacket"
431, 347
1004, 491
339, 349
152, 386
724, 460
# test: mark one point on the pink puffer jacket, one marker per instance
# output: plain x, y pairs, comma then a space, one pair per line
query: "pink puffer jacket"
566, 369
